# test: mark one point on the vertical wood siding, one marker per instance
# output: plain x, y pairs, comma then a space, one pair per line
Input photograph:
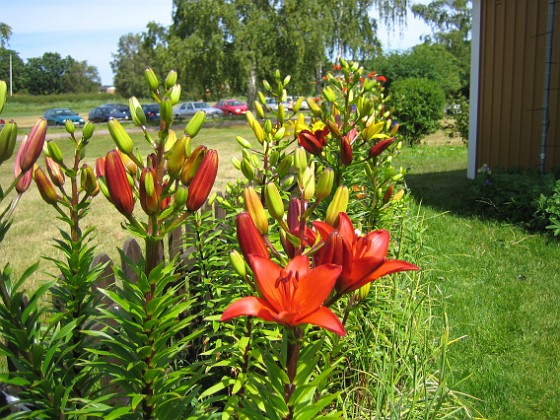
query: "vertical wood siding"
512, 66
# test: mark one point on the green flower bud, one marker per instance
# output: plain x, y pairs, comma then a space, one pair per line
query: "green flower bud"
45, 187
247, 169
259, 109
238, 263
195, 124
174, 94
279, 133
171, 79
266, 85
329, 95
255, 209
261, 97
297, 104
287, 80
87, 131
338, 204
325, 184
281, 114
54, 152
268, 126
166, 111
176, 157
274, 201
308, 182
69, 126
136, 112
243, 142
151, 78
88, 181
285, 165
8, 137
122, 139
3, 94
300, 159
315, 109
236, 163
181, 197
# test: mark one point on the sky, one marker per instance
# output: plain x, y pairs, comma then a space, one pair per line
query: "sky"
90, 31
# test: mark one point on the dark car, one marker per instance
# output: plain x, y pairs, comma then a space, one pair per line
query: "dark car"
231, 107
151, 111
58, 116
104, 113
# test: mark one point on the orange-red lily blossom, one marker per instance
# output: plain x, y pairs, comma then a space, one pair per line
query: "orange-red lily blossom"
363, 257
290, 296
118, 186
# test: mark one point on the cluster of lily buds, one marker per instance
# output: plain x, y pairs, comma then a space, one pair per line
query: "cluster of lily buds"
29, 151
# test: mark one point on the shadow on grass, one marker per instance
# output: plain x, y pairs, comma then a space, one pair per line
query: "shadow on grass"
443, 191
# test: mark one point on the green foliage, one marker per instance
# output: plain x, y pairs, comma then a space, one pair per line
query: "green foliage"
424, 61
419, 107
18, 67
459, 111
526, 198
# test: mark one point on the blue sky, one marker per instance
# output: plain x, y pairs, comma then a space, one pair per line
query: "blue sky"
90, 31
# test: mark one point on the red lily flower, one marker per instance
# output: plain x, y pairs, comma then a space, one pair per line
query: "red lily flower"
118, 186
313, 142
367, 259
378, 148
290, 296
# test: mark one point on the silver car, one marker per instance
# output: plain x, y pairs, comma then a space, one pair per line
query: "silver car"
187, 109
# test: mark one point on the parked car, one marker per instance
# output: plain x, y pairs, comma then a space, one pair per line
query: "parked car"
231, 107
58, 116
190, 108
104, 113
151, 111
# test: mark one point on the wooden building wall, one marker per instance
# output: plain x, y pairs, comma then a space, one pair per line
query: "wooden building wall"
511, 85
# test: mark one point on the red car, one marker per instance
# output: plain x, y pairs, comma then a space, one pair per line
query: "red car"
231, 107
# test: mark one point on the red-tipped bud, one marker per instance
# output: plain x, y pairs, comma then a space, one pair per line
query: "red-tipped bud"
388, 194
150, 192
118, 186
45, 187
33, 147
129, 164
250, 240
345, 151
336, 250
100, 167
255, 209
190, 168
378, 148
203, 181
176, 158
313, 142
55, 173
24, 182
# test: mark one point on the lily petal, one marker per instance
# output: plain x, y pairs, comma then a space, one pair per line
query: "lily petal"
250, 305
266, 274
324, 318
388, 267
314, 288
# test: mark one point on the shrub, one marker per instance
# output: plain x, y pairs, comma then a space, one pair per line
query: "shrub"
420, 103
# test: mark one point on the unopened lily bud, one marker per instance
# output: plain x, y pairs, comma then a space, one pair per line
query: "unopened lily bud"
398, 196
238, 263
345, 152
151, 78
181, 197
261, 97
45, 187
176, 158
174, 94
55, 172
266, 85
149, 191
54, 152
129, 164
258, 131
136, 112
279, 134
329, 95
394, 129
274, 201
378, 148
338, 204
247, 169
192, 164
236, 163
249, 238
363, 292
308, 181
333, 126
8, 137
297, 104
170, 79
122, 139
3, 94
166, 111
118, 186
243, 142
284, 166
300, 159
313, 107
170, 140
287, 80
281, 114
325, 184
89, 181
69, 126
259, 109
100, 167
203, 181
254, 207
34, 146
195, 124
388, 194
87, 131
267, 126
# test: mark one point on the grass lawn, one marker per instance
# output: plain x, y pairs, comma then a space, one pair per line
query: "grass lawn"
502, 288
502, 284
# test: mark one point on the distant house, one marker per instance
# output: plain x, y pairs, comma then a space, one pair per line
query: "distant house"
108, 89
515, 85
